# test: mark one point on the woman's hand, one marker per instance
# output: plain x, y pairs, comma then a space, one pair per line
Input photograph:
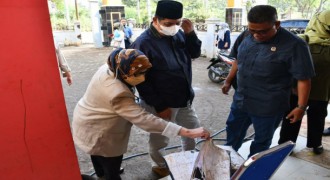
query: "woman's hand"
195, 133
68, 77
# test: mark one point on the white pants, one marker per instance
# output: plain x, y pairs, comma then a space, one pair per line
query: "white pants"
185, 117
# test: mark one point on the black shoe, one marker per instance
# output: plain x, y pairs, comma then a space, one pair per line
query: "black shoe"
121, 171
318, 150
326, 132
87, 177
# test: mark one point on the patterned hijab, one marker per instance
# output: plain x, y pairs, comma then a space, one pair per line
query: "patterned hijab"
127, 62
318, 28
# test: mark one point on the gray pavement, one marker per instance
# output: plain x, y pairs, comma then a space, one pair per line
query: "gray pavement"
211, 105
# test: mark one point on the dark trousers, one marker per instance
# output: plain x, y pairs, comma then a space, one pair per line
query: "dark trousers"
109, 167
316, 113
127, 43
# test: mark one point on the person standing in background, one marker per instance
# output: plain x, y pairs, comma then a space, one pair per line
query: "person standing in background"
118, 38
128, 32
62, 64
167, 91
317, 34
223, 38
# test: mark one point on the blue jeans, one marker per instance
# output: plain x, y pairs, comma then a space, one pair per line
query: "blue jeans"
239, 121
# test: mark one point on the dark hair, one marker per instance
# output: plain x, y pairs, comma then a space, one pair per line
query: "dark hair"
159, 18
262, 13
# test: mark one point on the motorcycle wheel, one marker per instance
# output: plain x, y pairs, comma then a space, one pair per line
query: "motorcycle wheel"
215, 77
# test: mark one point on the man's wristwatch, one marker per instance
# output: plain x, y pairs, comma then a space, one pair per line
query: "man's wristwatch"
302, 107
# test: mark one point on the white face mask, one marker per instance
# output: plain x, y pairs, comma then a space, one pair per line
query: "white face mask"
135, 80
169, 31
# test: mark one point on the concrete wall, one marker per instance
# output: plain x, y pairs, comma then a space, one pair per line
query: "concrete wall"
69, 37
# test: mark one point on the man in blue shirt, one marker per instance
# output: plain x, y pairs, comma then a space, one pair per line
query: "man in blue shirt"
167, 89
128, 32
267, 62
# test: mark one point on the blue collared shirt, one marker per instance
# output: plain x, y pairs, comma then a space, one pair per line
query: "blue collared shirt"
128, 32
266, 71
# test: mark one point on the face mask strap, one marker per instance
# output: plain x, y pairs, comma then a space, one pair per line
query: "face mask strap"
116, 72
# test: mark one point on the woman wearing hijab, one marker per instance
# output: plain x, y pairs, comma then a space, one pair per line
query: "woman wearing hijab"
103, 117
317, 35
223, 37
118, 38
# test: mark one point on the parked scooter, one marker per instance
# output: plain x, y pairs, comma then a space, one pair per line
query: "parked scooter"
219, 67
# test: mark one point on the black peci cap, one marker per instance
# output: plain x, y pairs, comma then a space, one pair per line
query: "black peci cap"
169, 9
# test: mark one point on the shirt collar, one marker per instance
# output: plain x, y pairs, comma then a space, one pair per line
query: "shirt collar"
154, 31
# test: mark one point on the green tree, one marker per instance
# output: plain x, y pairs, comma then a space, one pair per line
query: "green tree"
58, 18
130, 3
197, 11
59, 21
283, 7
193, 10
310, 7
322, 5
248, 5
306, 8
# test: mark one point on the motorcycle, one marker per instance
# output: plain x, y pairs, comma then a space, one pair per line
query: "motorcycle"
219, 67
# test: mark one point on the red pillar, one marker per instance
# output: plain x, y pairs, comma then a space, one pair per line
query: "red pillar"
35, 137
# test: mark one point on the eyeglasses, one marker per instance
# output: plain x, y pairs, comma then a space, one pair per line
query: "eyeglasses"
260, 32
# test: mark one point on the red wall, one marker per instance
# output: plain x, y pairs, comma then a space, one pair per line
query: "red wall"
35, 137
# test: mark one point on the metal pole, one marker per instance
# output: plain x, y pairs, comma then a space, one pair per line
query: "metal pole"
76, 6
